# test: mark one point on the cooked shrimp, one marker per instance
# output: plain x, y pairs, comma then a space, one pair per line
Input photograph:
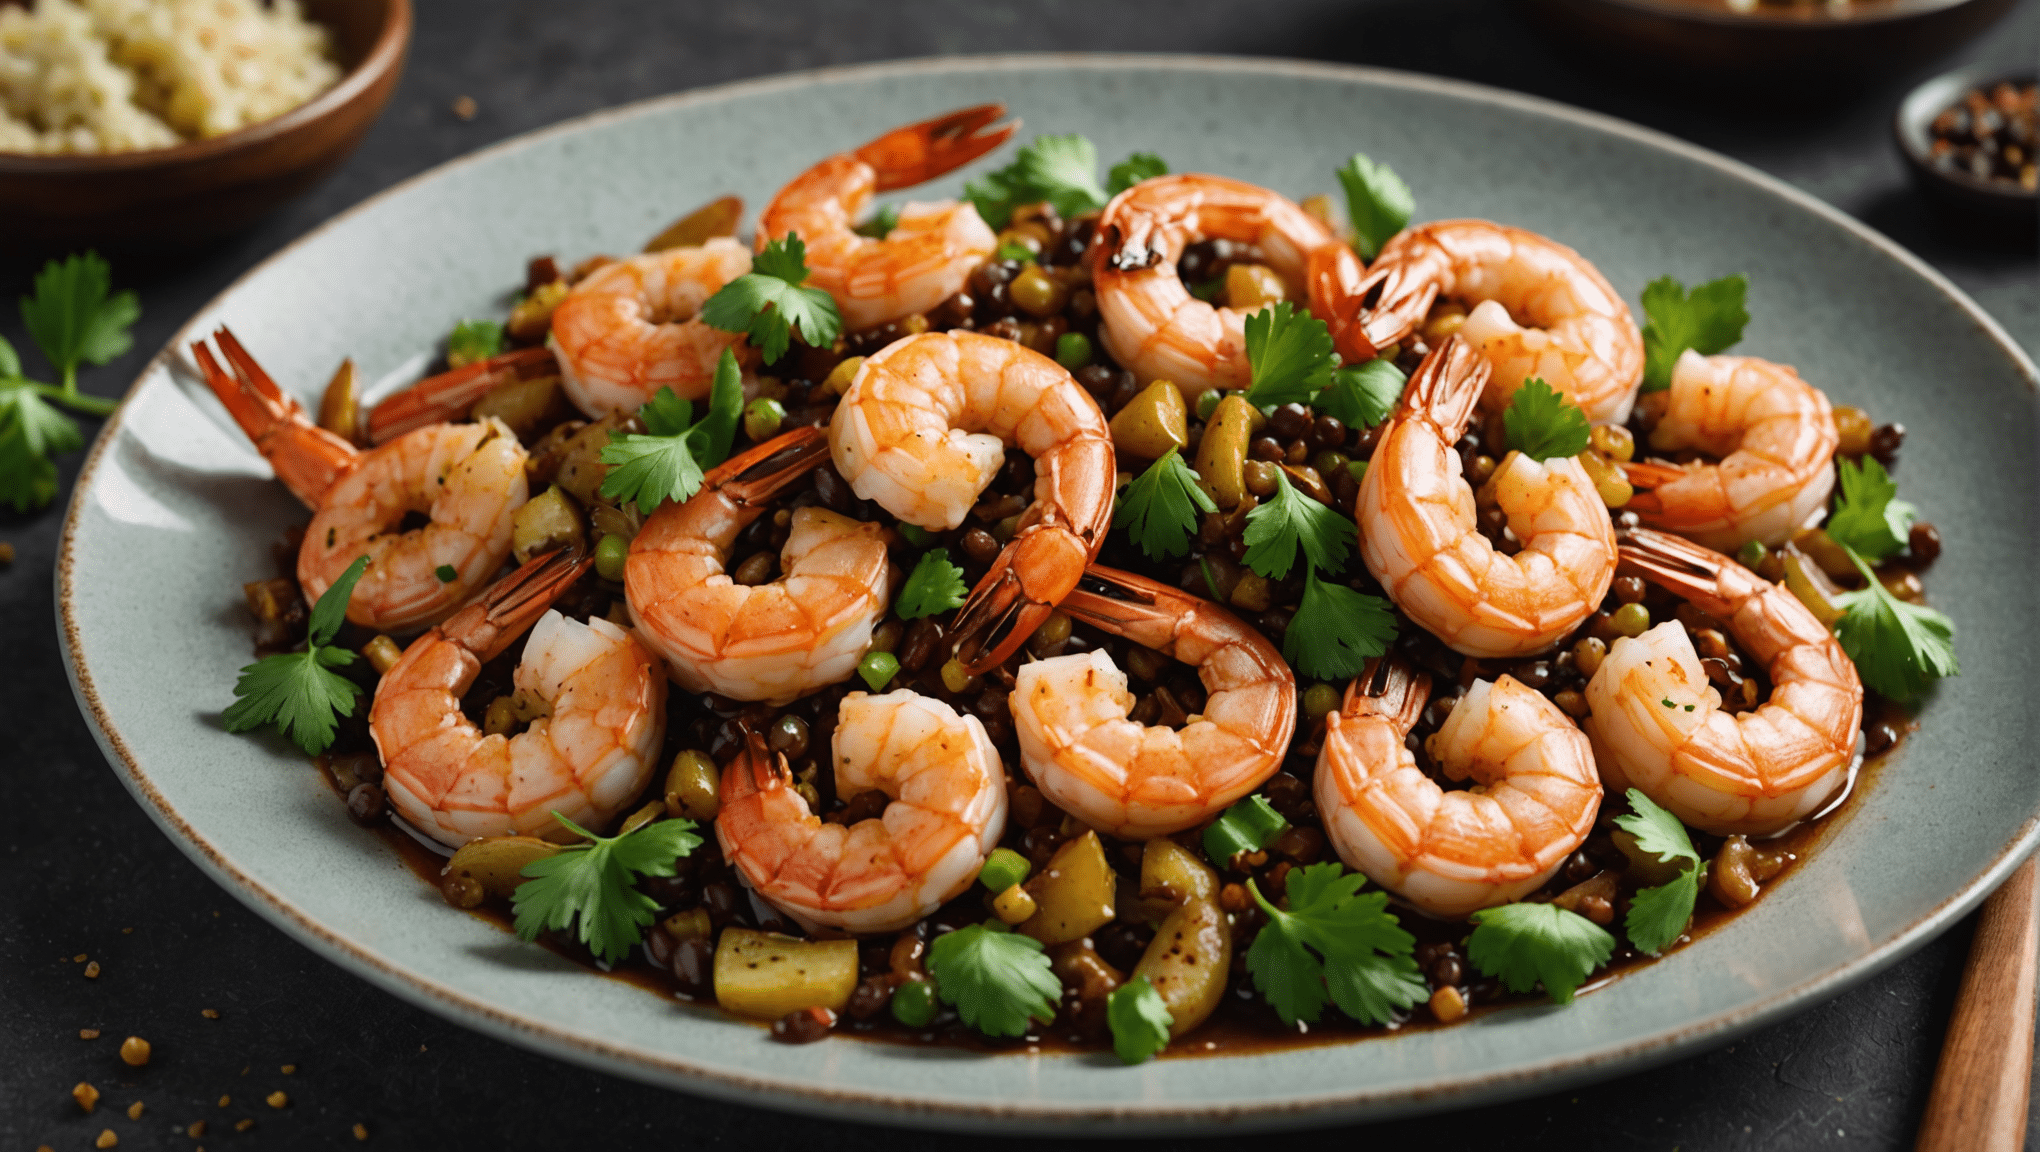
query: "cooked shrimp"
587, 758
1536, 309
1149, 321
1658, 725
1452, 853
929, 253
923, 429
774, 641
468, 479
948, 793
449, 395
1131, 780
1774, 435
634, 327
1420, 537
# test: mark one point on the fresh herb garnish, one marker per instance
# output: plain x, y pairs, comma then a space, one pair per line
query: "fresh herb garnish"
769, 305
1899, 648
1709, 320
997, 979
1866, 518
595, 883
666, 462
1363, 395
1543, 424
1333, 943
882, 222
935, 585
76, 318
1132, 170
1657, 916
1377, 201
1247, 826
1289, 519
1013, 251
1139, 1020
298, 691
1160, 506
1062, 170
1336, 630
1291, 354
473, 341
1523, 945
31, 431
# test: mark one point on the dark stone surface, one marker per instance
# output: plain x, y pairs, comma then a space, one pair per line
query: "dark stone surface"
83, 864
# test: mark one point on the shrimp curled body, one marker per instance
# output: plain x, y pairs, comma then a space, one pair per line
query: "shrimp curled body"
947, 811
1658, 725
634, 326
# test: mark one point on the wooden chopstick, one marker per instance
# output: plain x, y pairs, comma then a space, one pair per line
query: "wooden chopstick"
1980, 1092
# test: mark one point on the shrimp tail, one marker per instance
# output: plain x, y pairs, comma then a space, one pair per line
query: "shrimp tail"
1339, 290
307, 458
1147, 616
1446, 387
920, 152
448, 396
1645, 477
1390, 688
757, 475
500, 615
1026, 583
1701, 576
754, 769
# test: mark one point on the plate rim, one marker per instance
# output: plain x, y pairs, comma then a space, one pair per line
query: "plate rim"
669, 1071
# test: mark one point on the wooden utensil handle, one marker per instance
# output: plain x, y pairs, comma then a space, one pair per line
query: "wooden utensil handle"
1980, 1093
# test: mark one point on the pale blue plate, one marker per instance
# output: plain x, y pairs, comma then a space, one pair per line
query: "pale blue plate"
174, 511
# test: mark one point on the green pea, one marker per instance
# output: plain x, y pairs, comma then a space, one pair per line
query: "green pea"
1073, 350
1631, 620
610, 553
1751, 554
878, 669
1003, 869
1207, 402
1318, 700
1358, 469
762, 418
913, 1003
916, 535
1328, 462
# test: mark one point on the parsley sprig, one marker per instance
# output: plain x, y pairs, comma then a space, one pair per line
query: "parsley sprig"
934, 586
1377, 201
1139, 1020
1900, 649
1658, 916
594, 884
1062, 170
997, 979
1363, 395
1289, 520
75, 318
1333, 943
1524, 945
31, 431
1866, 518
1132, 170
769, 305
1336, 630
1291, 354
1159, 508
1708, 320
298, 691
1543, 424
667, 460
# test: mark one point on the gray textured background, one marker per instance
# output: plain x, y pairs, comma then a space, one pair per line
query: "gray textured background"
82, 863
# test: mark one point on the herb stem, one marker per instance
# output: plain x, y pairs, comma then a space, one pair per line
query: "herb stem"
75, 400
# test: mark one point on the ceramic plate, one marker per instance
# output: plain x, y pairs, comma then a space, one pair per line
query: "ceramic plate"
175, 510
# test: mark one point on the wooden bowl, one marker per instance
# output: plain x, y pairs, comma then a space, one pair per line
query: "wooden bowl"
178, 197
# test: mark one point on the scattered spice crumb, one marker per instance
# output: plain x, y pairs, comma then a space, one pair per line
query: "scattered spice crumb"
361, 1131
421, 1047
209, 1013
45, 1147
195, 1129
134, 1051
278, 1100
243, 1125
226, 1100
106, 1139
80, 958
135, 1110
92, 970
127, 931
465, 107
88, 1033
86, 1095
247, 1068
6, 553
290, 1069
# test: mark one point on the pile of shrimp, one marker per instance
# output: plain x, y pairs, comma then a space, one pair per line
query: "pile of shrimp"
1567, 629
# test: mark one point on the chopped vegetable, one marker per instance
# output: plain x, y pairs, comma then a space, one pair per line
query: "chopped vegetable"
1363, 395
1289, 519
997, 980
666, 462
298, 691
1377, 201
1139, 1020
1899, 648
1159, 509
1709, 320
447, 573
1523, 945
594, 884
1336, 630
1003, 869
1333, 943
1866, 518
1543, 424
76, 318
1291, 354
877, 669
769, 305
1247, 826
935, 585
472, 342
1657, 916
1132, 170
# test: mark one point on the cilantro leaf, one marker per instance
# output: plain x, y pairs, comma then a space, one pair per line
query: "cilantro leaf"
1247, 826
10, 361
1543, 424
1287, 519
666, 414
997, 980
1132, 170
1062, 170
1658, 915
75, 317
1709, 320
1363, 395
769, 305
882, 222
1159, 508
30, 432
298, 691
666, 463
1899, 648
473, 341
935, 585
1139, 1020
1291, 353
1336, 944
595, 884
1523, 945
27, 478
1336, 630
1377, 201
1866, 518
713, 434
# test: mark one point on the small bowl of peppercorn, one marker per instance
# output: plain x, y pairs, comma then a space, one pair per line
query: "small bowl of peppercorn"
1971, 138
